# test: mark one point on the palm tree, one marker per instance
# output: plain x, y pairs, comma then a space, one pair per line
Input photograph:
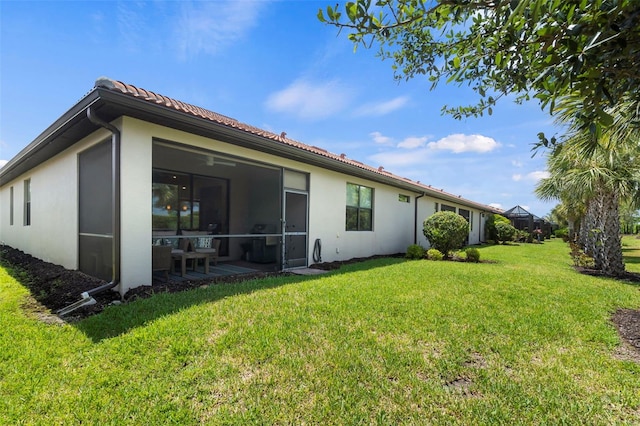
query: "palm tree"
600, 175
568, 213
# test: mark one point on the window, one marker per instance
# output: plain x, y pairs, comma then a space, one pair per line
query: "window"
27, 202
446, 208
404, 198
359, 208
468, 215
11, 206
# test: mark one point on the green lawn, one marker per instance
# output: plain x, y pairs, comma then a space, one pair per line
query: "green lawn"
631, 253
523, 340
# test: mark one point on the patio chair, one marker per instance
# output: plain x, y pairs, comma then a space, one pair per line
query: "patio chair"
210, 246
161, 260
185, 245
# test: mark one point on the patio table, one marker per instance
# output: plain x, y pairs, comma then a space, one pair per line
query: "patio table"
183, 256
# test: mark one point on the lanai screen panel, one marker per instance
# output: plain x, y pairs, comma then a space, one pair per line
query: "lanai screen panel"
95, 211
230, 197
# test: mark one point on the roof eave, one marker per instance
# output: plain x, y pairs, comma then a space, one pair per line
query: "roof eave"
117, 104
182, 121
50, 142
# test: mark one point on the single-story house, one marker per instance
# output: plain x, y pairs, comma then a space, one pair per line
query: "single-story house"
126, 169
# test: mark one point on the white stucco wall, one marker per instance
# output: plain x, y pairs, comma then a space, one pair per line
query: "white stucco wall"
392, 219
136, 203
53, 234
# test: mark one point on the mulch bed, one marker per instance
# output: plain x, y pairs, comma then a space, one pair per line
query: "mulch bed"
54, 287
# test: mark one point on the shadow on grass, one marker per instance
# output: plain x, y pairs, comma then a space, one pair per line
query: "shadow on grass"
120, 319
631, 255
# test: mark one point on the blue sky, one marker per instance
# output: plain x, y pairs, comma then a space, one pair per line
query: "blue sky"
273, 65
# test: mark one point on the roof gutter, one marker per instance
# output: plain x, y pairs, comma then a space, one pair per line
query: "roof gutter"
87, 296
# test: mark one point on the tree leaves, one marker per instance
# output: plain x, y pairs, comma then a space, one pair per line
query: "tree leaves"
541, 48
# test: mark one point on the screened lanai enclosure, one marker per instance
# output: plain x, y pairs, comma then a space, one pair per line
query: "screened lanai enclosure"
523, 220
257, 211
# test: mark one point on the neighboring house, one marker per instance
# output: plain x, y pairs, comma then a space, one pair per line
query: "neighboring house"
125, 165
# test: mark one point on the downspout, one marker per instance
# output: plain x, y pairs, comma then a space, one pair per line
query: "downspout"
415, 218
87, 296
115, 202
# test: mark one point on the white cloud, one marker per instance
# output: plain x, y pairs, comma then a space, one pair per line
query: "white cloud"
209, 27
382, 108
459, 143
397, 159
310, 100
496, 205
413, 142
531, 177
380, 139
516, 163
2, 163
537, 175
526, 207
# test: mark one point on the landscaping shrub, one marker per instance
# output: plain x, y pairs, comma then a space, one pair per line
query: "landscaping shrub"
414, 252
562, 233
580, 258
473, 254
523, 236
504, 232
434, 254
446, 231
490, 226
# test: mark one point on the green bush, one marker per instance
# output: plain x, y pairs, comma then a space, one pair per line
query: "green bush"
504, 232
490, 226
522, 236
473, 254
446, 231
562, 233
414, 252
434, 254
580, 258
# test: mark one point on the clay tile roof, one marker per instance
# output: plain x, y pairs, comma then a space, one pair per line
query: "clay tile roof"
168, 102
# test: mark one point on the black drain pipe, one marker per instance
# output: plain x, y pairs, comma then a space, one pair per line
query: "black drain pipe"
87, 296
115, 202
415, 218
